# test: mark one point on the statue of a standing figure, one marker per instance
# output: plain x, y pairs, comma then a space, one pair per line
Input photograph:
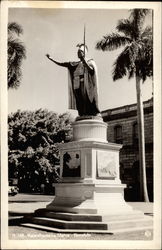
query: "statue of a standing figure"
83, 89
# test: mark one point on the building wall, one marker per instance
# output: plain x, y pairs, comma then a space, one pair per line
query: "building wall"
126, 117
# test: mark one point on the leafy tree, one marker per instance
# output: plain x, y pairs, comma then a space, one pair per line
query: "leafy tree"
136, 60
16, 53
33, 139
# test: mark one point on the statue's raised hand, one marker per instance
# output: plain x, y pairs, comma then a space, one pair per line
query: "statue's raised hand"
48, 56
58, 63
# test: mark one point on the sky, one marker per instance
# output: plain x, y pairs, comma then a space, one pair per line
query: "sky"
57, 32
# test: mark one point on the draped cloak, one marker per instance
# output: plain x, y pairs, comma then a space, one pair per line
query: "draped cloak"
83, 95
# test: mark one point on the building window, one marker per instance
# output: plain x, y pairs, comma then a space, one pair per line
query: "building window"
135, 132
118, 134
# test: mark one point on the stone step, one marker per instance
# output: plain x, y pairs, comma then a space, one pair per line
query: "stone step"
79, 231
66, 224
67, 216
90, 225
87, 217
60, 230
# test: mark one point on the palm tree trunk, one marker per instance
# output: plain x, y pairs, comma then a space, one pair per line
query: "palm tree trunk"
141, 143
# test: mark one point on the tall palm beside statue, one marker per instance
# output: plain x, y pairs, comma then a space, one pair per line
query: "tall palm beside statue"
136, 60
16, 53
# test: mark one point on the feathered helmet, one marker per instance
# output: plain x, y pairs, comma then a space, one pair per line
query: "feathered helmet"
82, 46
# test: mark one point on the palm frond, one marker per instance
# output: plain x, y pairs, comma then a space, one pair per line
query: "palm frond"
137, 56
16, 53
16, 49
145, 69
137, 17
112, 42
147, 33
131, 73
124, 63
14, 77
125, 26
144, 62
14, 27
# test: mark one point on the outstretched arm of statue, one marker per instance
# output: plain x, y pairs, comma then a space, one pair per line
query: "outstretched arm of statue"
58, 63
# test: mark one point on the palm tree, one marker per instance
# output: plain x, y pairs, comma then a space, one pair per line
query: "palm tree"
16, 53
136, 60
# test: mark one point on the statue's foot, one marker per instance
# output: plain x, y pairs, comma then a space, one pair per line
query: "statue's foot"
89, 117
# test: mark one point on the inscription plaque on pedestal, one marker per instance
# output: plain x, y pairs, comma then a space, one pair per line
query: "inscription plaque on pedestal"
106, 164
71, 164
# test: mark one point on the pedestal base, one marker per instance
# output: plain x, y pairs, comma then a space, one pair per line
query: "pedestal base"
89, 208
89, 199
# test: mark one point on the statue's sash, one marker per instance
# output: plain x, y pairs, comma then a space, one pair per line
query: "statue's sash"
90, 81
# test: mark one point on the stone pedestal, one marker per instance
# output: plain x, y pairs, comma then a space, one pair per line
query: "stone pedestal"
90, 130
89, 171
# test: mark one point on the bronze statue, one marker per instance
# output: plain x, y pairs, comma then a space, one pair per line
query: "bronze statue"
83, 89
